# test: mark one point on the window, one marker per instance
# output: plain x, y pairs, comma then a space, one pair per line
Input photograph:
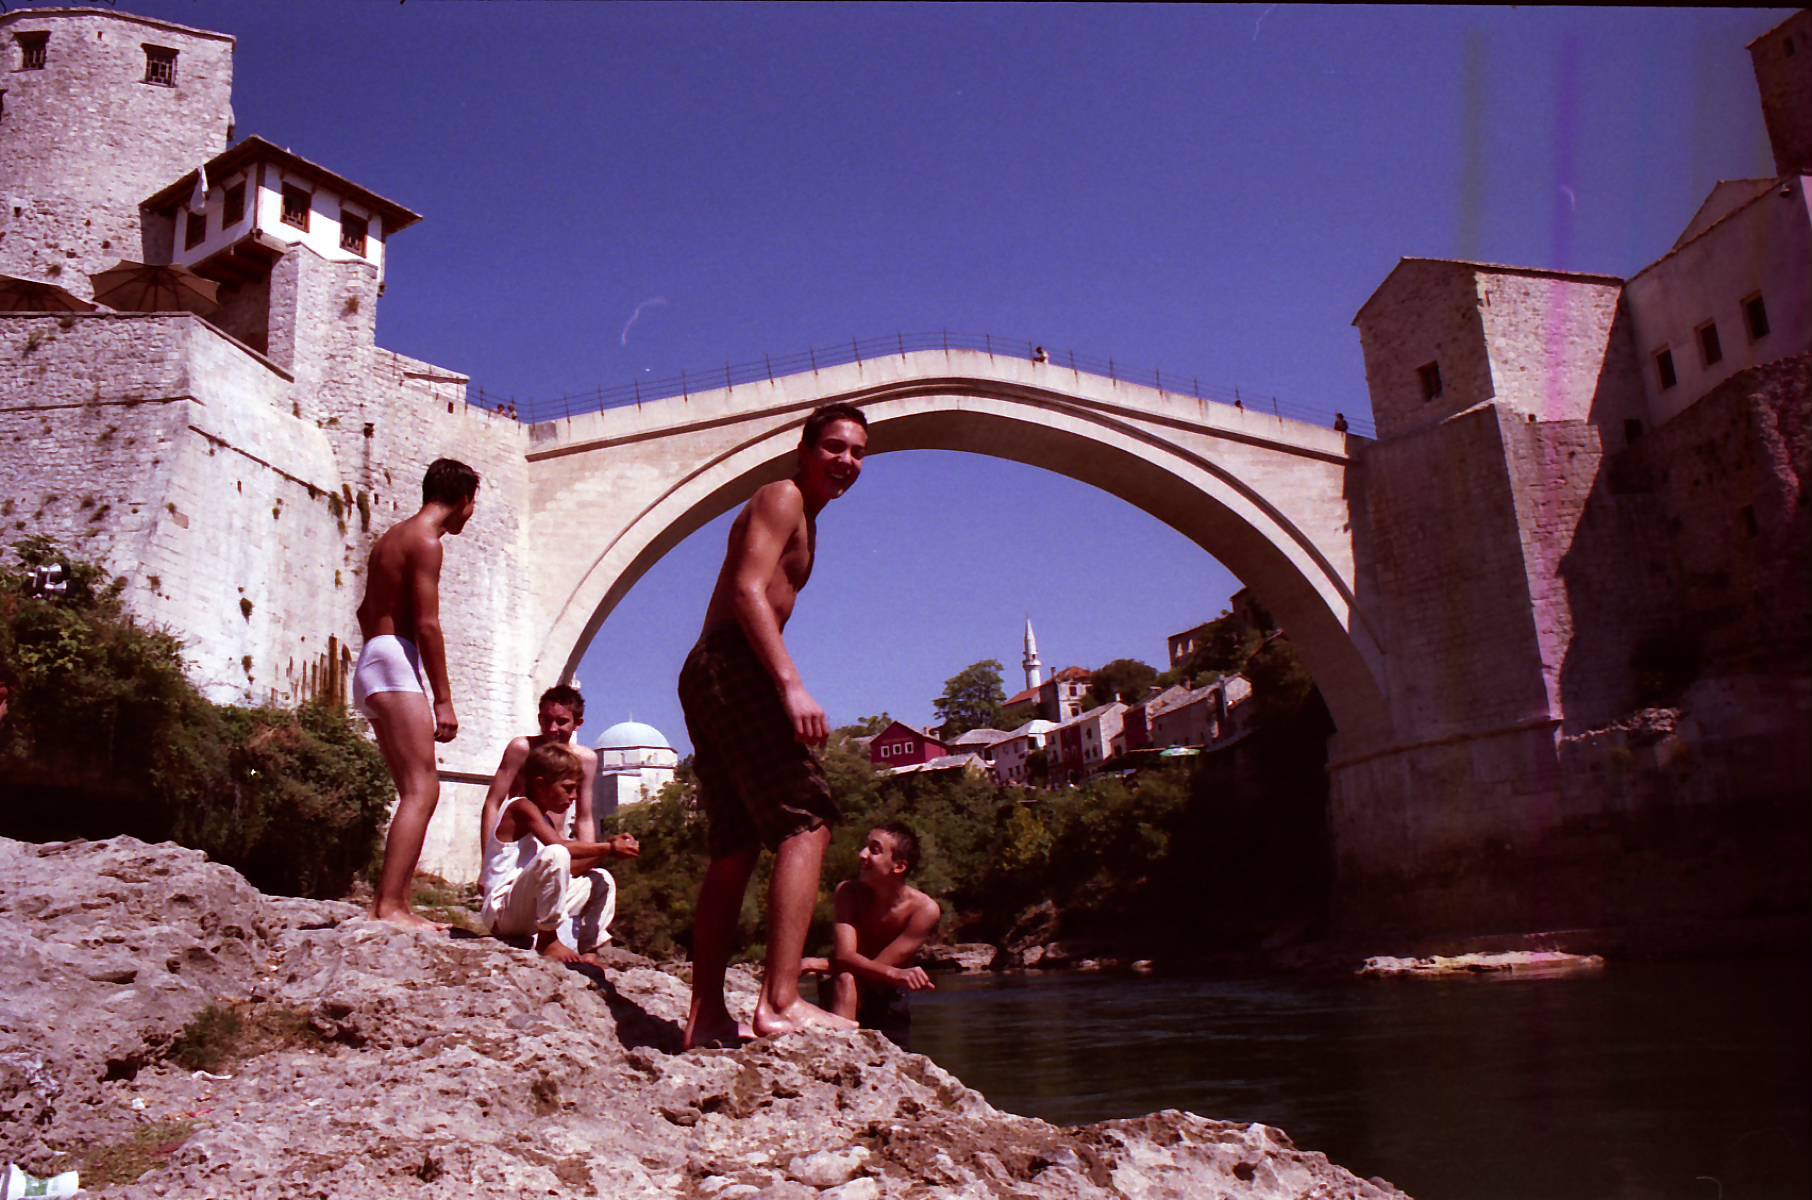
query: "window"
232, 209
1430, 375
1750, 524
1632, 430
196, 230
295, 206
1664, 367
352, 233
887, 751
160, 66
1710, 349
1755, 317
32, 51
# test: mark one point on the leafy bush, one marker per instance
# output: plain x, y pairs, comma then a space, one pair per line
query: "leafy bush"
106, 736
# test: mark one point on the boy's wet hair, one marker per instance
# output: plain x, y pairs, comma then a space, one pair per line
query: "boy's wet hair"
552, 761
814, 424
449, 481
564, 694
905, 843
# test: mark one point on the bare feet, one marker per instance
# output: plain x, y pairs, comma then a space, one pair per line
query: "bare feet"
558, 951
718, 1032
407, 918
800, 1014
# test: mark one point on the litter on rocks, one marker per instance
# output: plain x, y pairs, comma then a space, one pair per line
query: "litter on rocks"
16, 1183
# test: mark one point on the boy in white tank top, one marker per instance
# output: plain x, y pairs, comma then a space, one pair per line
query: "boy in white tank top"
535, 879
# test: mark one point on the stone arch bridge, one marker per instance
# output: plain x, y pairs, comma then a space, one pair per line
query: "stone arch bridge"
611, 492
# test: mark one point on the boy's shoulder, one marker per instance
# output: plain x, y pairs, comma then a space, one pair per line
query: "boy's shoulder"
779, 497
920, 902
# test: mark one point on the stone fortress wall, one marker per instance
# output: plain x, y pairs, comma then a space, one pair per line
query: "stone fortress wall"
85, 138
237, 492
1515, 542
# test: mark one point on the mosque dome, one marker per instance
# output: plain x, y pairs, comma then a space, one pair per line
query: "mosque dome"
632, 735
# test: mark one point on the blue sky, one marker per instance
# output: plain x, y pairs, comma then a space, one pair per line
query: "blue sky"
1210, 191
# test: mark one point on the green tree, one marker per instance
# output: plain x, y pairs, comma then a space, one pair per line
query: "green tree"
1282, 688
106, 736
866, 726
972, 698
1127, 678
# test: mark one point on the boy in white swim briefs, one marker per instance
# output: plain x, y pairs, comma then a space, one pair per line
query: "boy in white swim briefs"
401, 680
388, 664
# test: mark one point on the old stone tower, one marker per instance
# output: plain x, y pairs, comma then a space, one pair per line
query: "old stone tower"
100, 110
234, 469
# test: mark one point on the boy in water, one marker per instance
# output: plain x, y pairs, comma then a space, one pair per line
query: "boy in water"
401, 680
753, 726
560, 713
534, 878
882, 921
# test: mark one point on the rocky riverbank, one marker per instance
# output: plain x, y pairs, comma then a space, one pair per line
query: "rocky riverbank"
169, 1031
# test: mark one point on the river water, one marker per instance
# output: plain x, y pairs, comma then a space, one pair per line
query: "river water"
1646, 1081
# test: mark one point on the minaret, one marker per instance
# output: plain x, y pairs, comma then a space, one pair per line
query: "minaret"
1034, 668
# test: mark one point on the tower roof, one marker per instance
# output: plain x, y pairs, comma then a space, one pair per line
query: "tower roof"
255, 149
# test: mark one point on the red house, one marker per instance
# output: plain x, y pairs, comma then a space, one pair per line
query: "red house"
900, 745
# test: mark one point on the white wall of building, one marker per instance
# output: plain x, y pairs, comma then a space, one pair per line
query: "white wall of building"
1762, 248
264, 204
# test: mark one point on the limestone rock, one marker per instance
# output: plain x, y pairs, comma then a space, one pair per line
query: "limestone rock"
388, 1063
1521, 962
967, 957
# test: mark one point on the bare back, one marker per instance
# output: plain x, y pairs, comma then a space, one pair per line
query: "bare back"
393, 579
774, 516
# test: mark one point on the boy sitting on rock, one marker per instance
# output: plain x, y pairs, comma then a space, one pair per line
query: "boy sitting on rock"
534, 879
882, 921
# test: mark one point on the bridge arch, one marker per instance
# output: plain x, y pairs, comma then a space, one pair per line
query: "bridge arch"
1274, 513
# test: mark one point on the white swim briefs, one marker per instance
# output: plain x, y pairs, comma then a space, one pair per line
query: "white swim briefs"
388, 664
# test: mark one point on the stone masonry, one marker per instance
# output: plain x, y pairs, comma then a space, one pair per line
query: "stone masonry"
85, 138
1528, 556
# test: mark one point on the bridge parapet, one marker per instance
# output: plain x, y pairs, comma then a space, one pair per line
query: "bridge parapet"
927, 370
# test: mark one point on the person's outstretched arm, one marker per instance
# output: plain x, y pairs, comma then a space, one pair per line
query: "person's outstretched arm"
884, 967
514, 755
424, 587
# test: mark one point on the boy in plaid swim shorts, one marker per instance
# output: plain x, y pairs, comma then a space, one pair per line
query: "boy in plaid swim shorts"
753, 727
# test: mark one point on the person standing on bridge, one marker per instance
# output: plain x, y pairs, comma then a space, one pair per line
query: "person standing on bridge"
754, 726
401, 680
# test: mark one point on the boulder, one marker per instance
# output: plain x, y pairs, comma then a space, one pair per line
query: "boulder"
1523, 963
371, 1061
970, 958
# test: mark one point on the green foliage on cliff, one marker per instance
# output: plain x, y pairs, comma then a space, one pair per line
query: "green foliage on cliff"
106, 736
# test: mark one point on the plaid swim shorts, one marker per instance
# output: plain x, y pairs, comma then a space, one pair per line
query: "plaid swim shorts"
758, 782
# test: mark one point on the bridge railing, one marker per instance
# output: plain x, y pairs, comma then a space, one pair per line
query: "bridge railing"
772, 367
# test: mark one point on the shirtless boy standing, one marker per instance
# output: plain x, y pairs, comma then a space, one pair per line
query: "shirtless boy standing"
753, 726
560, 713
401, 680
881, 923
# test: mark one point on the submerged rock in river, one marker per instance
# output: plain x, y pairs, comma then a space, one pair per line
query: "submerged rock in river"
323, 1054
1519, 962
